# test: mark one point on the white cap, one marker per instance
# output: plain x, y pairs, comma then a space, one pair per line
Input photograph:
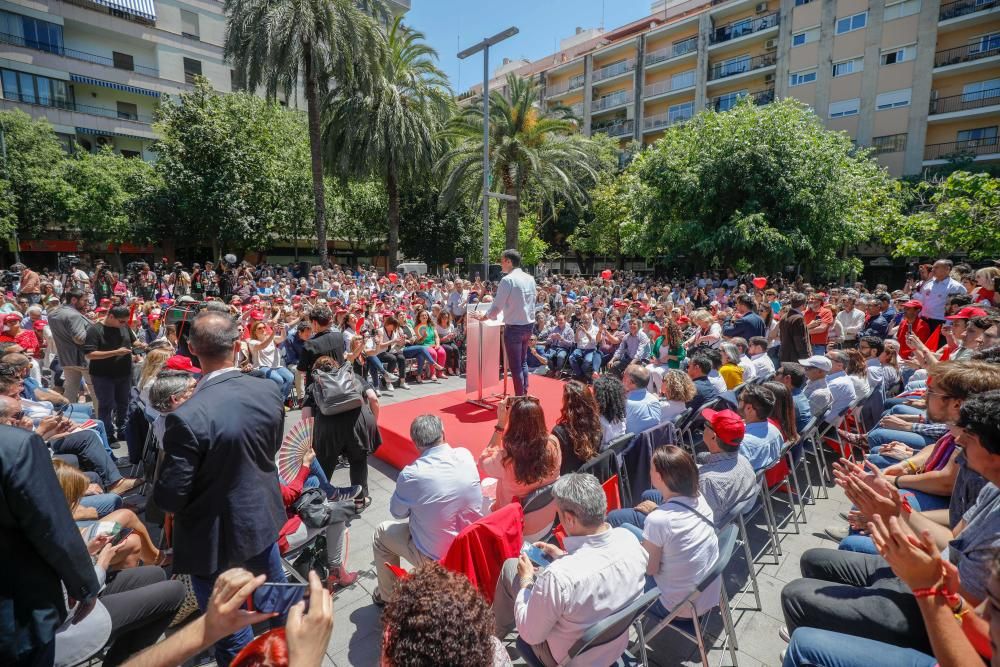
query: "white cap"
817, 361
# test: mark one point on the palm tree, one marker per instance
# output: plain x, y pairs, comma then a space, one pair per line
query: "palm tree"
390, 132
277, 43
529, 147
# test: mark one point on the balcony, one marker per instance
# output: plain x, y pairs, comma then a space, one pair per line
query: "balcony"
668, 86
613, 70
728, 101
953, 10
968, 53
743, 27
974, 148
618, 129
16, 40
573, 84
965, 102
612, 101
741, 66
66, 105
675, 50
664, 120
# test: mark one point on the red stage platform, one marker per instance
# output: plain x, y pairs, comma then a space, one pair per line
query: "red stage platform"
465, 425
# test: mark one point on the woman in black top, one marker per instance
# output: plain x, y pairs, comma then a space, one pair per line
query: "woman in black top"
578, 429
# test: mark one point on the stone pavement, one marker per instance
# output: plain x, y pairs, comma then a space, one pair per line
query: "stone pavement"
357, 631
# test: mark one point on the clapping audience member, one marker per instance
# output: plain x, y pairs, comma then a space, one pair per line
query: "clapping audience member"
578, 429
609, 392
600, 572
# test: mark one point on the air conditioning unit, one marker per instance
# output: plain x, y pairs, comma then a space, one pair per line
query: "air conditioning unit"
771, 44
761, 7
769, 78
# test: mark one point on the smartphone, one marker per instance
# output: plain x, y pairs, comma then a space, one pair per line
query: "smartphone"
536, 556
120, 537
60, 408
276, 597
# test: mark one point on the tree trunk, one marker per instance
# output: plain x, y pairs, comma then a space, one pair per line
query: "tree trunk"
392, 190
312, 108
513, 221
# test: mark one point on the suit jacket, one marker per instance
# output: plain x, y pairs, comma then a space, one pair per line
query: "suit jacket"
40, 547
218, 473
746, 327
794, 337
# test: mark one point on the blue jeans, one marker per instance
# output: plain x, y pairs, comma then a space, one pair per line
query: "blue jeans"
904, 409
421, 354
516, 338
630, 516
266, 562
810, 647
883, 436
557, 358
104, 503
112, 403
283, 377
318, 478
819, 349
585, 362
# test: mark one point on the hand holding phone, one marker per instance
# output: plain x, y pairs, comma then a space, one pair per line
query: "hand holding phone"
274, 597
536, 555
120, 537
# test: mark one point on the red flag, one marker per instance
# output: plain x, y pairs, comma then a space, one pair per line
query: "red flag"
934, 341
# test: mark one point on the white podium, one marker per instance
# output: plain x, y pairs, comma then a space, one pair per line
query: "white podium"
485, 358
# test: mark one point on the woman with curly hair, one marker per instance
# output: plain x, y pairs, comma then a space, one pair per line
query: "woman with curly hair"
676, 391
609, 392
437, 618
523, 458
579, 427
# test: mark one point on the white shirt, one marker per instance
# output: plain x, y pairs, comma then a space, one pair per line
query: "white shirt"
749, 370
842, 391
689, 550
670, 409
934, 295
515, 298
441, 495
600, 575
611, 430
762, 364
852, 321
876, 374
717, 381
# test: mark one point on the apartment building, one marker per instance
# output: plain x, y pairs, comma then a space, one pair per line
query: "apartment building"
96, 68
919, 80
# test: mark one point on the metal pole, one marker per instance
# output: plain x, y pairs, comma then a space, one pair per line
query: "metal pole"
486, 163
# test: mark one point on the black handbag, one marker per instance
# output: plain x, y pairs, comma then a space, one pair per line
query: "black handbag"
311, 508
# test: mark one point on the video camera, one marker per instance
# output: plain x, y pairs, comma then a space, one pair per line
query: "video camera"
8, 279
67, 263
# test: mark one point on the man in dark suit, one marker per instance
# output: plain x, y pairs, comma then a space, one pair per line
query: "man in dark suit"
745, 323
792, 331
218, 475
40, 551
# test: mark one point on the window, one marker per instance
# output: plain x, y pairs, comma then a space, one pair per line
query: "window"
680, 112
729, 100
985, 43
974, 137
32, 33
848, 67
898, 55
192, 68
893, 99
805, 37
683, 46
852, 23
189, 25
130, 154
845, 108
981, 90
801, 78
32, 89
901, 9
891, 143
682, 80
802, 2
122, 61
128, 111
735, 65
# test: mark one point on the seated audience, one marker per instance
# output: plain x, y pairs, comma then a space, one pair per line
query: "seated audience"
793, 376
699, 366
676, 393
762, 363
730, 370
578, 429
642, 409
609, 392
763, 441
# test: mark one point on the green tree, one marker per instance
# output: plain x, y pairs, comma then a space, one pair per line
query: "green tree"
532, 247
962, 212
530, 147
389, 132
234, 168
33, 193
610, 228
358, 215
277, 43
438, 235
767, 185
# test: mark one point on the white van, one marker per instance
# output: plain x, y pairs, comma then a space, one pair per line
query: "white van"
419, 268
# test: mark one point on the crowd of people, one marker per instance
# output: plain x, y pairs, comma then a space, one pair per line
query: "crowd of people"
142, 416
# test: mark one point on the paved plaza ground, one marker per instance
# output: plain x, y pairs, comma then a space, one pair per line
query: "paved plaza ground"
357, 631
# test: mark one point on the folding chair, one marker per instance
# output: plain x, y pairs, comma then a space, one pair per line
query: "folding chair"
813, 443
605, 632
727, 543
784, 459
793, 466
619, 446
735, 517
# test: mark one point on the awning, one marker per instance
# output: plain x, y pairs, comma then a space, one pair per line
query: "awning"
111, 84
144, 8
105, 133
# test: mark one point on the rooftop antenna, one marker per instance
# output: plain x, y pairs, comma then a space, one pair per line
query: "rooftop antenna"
603, 6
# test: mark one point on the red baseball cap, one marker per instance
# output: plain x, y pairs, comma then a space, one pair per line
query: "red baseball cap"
967, 313
727, 425
179, 362
11, 317
913, 303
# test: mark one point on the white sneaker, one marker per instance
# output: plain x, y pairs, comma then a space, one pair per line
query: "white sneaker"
403, 385
390, 378
388, 388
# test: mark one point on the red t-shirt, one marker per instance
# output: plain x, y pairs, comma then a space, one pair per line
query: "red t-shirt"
826, 317
920, 328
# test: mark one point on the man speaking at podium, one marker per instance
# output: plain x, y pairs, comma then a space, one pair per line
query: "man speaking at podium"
516, 300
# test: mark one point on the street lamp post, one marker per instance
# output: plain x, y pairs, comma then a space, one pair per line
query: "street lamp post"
484, 46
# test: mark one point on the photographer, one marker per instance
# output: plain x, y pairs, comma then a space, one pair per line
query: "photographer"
179, 281
104, 282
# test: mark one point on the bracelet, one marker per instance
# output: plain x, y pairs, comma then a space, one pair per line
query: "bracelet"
525, 582
953, 599
906, 507
895, 481
909, 464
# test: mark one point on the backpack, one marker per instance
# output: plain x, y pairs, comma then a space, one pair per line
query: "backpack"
337, 391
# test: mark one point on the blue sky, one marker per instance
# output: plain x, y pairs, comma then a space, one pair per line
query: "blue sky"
452, 25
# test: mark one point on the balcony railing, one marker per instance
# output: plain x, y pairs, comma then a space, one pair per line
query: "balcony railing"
612, 101
762, 97
728, 101
743, 27
965, 101
614, 70
732, 68
65, 105
661, 87
674, 50
967, 53
662, 120
958, 149
17, 40
572, 84
951, 10
577, 109
619, 129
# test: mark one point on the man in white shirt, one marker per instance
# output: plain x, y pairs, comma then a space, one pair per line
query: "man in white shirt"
436, 497
851, 319
762, 363
602, 570
934, 293
842, 392
515, 298
816, 367
749, 370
